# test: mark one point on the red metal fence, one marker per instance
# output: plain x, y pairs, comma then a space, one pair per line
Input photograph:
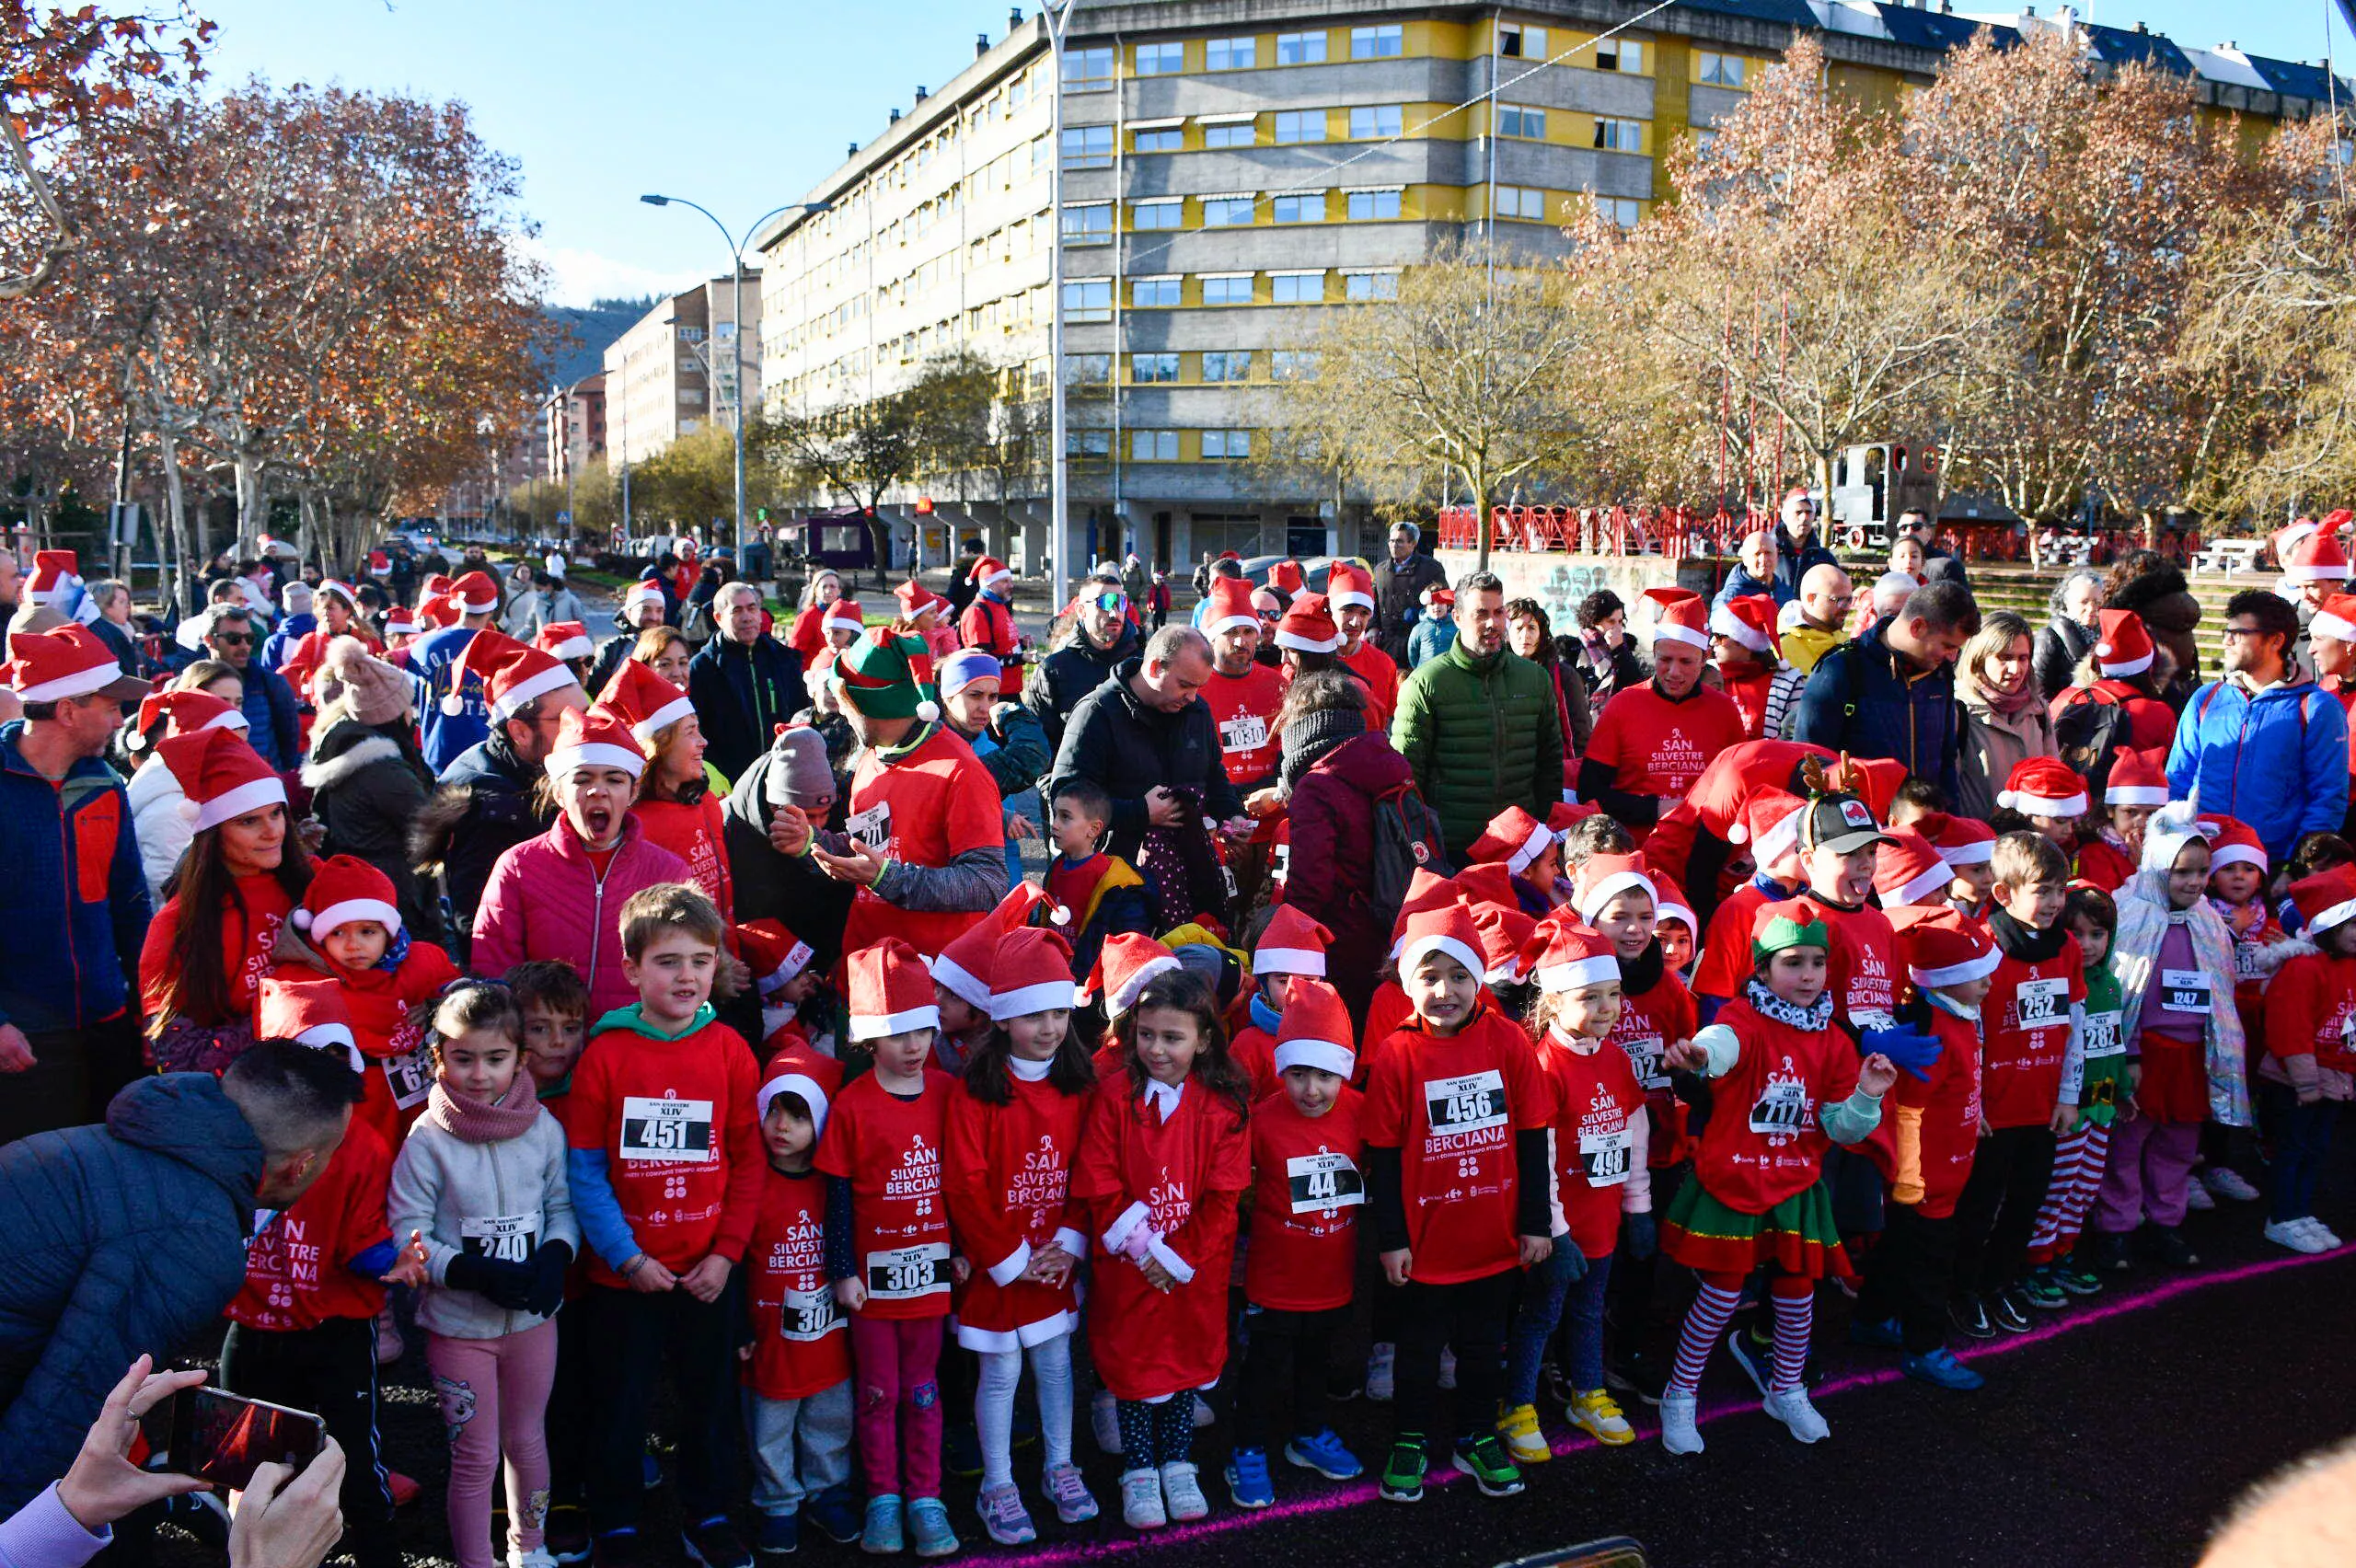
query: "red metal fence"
1677, 532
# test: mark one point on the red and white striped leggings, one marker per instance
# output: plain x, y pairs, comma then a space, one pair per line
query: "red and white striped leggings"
2078, 1161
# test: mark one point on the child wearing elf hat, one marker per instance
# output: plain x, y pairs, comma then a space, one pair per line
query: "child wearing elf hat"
2137, 787
2305, 1075
1652, 742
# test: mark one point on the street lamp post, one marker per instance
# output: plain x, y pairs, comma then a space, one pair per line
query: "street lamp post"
1059, 488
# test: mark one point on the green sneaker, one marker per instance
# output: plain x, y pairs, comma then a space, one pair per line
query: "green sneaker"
2077, 1280
2043, 1292
1484, 1459
1402, 1472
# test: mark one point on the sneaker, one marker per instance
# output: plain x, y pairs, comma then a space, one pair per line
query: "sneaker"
1402, 1472
1247, 1479
1636, 1372
1884, 1335
1448, 1368
1380, 1360
2224, 1182
961, 1450
1104, 1420
780, 1535
2295, 1235
835, 1513
2076, 1279
1141, 1500
1324, 1454
1679, 1433
2107, 1251
929, 1526
1754, 1359
1518, 1428
539, 1559
2198, 1198
566, 1538
881, 1534
1204, 1414
2323, 1232
1485, 1459
1941, 1370
616, 1549
1594, 1413
1968, 1313
1181, 1489
1004, 1519
2168, 1245
1791, 1407
1064, 1486
2043, 1291
2009, 1311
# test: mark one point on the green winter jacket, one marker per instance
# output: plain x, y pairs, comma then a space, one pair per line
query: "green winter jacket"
1482, 734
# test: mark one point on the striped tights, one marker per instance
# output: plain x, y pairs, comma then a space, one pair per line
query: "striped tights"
1713, 1309
2078, 1162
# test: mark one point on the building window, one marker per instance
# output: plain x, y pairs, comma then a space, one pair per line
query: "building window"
1238, 133
1298, 288
1520, 202
1153, 446
1292, 365
1088, 146
1088, 70
691, 334
1620, 135
1169, 140
1378, 43
1379, 120
1087, 370
1300, 49
1227, 291
1371, 285
1225, 444
1226, 365
1718, 70
1088, 444
1232, 53
1088, 299
688, 427
1622, 210
1518, 42
1150, 368
1300, 125
1620, 55
1158, 214
1309, 209
1154, 293
1227, 212
1089, 225
1520, 119
1374, 203
692, 396
1160, 59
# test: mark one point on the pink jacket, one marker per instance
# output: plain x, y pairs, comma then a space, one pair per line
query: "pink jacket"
544, 900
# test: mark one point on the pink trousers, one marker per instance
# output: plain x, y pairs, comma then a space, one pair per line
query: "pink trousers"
494, 1395
893, 1363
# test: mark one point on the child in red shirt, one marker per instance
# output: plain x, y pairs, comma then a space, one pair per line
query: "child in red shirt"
2138, 786
1289, 946
2310, 1053
1770, 829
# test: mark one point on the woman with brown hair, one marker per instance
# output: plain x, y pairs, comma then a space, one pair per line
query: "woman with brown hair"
2004, 717
666, 651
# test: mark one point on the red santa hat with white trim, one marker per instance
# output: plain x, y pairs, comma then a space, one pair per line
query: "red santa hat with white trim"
512, 673
816, 1077
2327, 899
1123, 965
2232, 842
475, 594
1602, 878
1769, 824
1286, 580
1564, 954
340, 589
844, 614
595, 737
2286, 538
1910, 869
2122, 643
181, 713
643, 592
69, 661
2043, 787
2314, 557
1748, 621
990, 571
916, 599
344, 889
2137, 778
221, 776
401, 621
964, 966
1348, 584
1316, 1028
1228, 607
1448, 930
1292, 943
57, 583
2335, 618
1960, 840
1671, 908
644, 701
1503, 929
1514, 836
891, 991
1427, 889
565, 640
774, 955
1308, 626
307, 1012
1485, 882
1941, 948
1030, 973
1681, 616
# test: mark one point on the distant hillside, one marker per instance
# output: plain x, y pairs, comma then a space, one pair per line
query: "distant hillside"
594, 327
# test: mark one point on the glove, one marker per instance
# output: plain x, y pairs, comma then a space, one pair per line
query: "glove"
503, 1284
1908, 1049
1639, 1236
548, 1267
1574, 1261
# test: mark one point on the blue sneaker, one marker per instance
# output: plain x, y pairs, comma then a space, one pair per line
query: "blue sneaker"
1247, 1479
929, 1525
781, 1535
1884, 1335
882, 1535
1324, 1454
1941, 1370
835, 1513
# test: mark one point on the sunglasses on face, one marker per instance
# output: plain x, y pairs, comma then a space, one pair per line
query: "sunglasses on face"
1112, 602
234, 639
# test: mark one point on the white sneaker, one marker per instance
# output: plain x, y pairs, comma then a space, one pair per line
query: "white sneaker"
1204, 1414
1791, 1407
1185, 1493
1141, 1500
1446, 1367
2197, 1196
1679, 1432
1105, 1419
536, 1559
1381, 1360
2224, 1182
2296, 1234
2323, 1233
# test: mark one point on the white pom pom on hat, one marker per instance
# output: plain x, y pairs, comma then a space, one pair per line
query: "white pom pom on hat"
300, 920
928, 710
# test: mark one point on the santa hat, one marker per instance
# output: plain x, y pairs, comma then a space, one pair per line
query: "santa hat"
182, 713
1123, 965
685, 549
774, 955
475, 593
54, 582
1438, 598
1308, 626
401, 621
1602, 878
1448, 930
220, 776
1503, 929
2286, 538
595, 737
891, 991
1348, 584
565, 640
2315, 558
888, 674
1960, 840
916, 599
1564, 815
1563, 955
644, 701
2327, 899
2138, 779
2122, 644
2232, 842
1681, 616
437, 583
2335, 619
1748, 621
1670, 909
1229, 606
1789, 923
1426, 890
642, 594
844, 614
964, 966
817, 1079
1030, 973
50, 666
1292, 944
2043, 787
1316, 1030
512, 673
344, 889
1514, 836
1284, 578
1910, 869
1485, 882
1769, 824
307, 1012
1941, 948
990, 571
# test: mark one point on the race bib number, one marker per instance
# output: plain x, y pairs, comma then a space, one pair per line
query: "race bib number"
1645, 1057
2184, 990
1472, 1104
905, 1274
502, 1237
872, 827
1323, 1182
2039, 1003
2245, 960
409, 1076
667, 1129
807, 1315
2103, 1036
1243, 733
1780, 1108
1603, 1156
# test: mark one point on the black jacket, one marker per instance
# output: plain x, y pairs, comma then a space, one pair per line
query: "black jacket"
488, 803
1398, 600
1059, 681
368, 782
770, 887
1129, 748
2059, 646
741, 696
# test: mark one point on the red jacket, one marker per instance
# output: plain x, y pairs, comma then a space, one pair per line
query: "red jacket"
545, 900
1330, 876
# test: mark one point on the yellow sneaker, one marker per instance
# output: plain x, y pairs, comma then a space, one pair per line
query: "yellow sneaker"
1518, 1427
1594, 1413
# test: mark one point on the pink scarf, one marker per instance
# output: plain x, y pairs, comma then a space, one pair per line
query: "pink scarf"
2008, 705
484, 1121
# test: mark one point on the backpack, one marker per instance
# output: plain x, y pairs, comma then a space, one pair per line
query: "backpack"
2088, 735
1406, 839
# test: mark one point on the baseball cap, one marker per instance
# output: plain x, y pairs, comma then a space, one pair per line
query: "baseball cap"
1841, 822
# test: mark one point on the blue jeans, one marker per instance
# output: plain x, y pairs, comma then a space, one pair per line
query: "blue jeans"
1546, 1291
2302, 1135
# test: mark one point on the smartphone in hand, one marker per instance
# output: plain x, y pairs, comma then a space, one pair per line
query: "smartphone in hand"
223, 1437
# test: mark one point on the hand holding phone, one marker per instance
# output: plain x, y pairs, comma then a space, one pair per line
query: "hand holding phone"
224, 1438
103, 1484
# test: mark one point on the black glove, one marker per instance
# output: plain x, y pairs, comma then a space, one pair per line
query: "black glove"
1640, 1237
548, 1267
503, 1284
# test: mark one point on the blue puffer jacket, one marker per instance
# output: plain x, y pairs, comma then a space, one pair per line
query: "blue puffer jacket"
274, 719
1858, 701
442, 736
124, 1238
73, 902
2277, 760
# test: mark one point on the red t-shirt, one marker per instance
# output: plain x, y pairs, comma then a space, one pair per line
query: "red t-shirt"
250, 924
1308, 1189
1658, 747
889, 1151
1651, 1022
2025, 1025
1254, 1050
2311, 1008
1725, 961
693, 833
932, 805
1765, 1140
683, 1148
1009, 1196
1946, 1136
1864, 976
1380, 672
382, 1002
295, 1277
1243, 710
801, 1346
1596, 1099
1385, 1011
1452, 1107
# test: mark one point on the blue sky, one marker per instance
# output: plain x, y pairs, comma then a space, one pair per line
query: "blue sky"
742, 106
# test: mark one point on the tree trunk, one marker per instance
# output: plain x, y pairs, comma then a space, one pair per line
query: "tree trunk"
1478, 493
252, 509
175, 503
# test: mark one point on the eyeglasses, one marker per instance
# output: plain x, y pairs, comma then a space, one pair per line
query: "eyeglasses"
1114, 602
2246, 631
234, 639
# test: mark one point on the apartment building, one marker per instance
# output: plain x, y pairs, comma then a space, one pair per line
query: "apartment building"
1232, 168
573, 426
675, 368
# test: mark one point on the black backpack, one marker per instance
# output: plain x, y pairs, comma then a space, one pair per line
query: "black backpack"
2088, 735
1406, 839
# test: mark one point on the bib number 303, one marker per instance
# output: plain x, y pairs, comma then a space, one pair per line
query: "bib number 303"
905, 1274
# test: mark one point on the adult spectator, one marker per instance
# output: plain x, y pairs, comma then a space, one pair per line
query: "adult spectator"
640, 612
2264, 743
368, 780
774, 879
1940, 564
1478, 723
1754, 570
1332, 772
295, 623
808, 636
2125, 669
113, 601
1607, 659
988, 620
2005, 719
1349, 589
1398, 584
2146, 584
1814, 623
1147, 738
1242, 694
1529, 633
1799, 551
1880, 602
128, 1239
1892, 692
74, 901
663, 650
438, 662
962, 582
1102, 639
2069, 632
1654, 740
1006, 738
760, 561
744, 682
1134, 578
152, 793
275, 723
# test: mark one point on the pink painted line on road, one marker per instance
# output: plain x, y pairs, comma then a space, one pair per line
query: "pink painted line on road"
1362, 1492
